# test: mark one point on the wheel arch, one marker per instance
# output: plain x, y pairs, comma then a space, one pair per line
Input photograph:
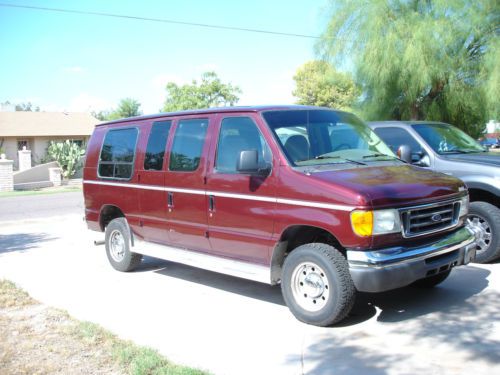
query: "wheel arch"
478, 194
107, 213
295, 236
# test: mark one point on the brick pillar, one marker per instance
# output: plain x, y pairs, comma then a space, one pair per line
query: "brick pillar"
6, 175
24, 159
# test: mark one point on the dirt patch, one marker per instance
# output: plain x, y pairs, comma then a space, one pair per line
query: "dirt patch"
37, 339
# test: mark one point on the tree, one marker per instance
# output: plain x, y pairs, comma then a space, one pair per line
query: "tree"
420, 59
318, 83
127, 107
211, 92
22, 107
27, 107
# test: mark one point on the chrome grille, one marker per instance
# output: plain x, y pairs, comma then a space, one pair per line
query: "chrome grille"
429, 218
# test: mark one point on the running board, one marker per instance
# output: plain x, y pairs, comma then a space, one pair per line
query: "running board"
213, 263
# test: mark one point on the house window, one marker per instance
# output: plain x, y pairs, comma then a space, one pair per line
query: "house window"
21, 143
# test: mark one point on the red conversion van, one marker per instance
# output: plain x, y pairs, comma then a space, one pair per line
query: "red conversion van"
305, 197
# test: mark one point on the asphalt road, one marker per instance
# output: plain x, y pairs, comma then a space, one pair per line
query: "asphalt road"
28, 207
233, 326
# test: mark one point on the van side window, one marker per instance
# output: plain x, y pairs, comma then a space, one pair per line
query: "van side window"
117, 153
239, 134
155, 151
188, 144
395, 137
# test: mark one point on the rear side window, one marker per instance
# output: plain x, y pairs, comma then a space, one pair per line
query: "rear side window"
188, 145
155, 151
118, 153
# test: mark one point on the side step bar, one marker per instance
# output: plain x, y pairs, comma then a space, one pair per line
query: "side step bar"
213, 263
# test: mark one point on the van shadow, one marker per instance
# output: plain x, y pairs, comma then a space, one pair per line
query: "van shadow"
453, 295
247, 288
21, 242
410, 302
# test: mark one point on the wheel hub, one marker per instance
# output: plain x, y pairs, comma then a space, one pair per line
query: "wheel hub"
482, 231
117, 246
310, 286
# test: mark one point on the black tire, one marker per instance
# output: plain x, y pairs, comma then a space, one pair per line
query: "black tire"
486, 217
118, 246
432, 281
329, 284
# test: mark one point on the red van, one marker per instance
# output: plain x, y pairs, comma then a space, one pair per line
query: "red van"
305, 197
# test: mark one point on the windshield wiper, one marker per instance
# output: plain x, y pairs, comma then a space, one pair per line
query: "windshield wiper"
322, 157
379, 155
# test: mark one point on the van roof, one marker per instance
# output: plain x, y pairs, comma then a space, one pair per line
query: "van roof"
235, 109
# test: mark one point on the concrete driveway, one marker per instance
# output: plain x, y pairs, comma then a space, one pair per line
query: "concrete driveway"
232, 326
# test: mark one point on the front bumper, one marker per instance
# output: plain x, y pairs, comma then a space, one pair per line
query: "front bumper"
381, 270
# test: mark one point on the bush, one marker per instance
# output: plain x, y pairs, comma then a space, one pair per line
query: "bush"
68, 154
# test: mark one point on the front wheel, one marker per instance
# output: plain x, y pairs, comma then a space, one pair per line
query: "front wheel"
484, 218
316, 284
117, 240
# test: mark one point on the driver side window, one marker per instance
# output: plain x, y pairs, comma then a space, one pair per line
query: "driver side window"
396, 137
239, 134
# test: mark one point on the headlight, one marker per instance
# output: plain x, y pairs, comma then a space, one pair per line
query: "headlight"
464, 206
367, 223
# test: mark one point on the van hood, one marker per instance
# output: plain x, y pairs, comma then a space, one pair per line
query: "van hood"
394, 186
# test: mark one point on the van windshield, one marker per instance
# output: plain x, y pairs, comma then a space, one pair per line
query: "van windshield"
313, 137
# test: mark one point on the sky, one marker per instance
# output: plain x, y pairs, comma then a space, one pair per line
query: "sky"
75, 62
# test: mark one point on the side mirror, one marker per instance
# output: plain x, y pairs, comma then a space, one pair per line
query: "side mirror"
404, 153
248, 162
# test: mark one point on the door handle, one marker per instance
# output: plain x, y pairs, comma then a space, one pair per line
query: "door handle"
211, 203
170, 199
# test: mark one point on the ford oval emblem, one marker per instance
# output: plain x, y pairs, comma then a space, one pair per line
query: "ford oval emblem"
436, 218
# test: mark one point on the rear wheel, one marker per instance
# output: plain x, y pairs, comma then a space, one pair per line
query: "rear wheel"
316, 284
118, 246
484, 218
432, 281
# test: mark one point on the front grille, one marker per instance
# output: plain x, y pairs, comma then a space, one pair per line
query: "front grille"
429, 218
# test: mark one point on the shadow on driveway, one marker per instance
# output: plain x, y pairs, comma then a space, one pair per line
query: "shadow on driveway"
215, 280
456, 296
22, 241
454, 313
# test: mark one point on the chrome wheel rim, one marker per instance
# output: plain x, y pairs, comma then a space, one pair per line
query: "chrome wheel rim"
117, 246
482, 229
310, 286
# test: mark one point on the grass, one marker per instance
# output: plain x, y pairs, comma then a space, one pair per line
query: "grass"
84, 340
54, 190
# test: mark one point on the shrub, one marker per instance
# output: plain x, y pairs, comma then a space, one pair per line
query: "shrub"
68, 154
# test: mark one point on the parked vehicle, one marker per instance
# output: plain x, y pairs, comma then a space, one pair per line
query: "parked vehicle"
305, 197
490, 142
444, 148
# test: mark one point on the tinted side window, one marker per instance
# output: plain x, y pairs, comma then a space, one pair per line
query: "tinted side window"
117, 154
155, 151
395, 137
239, 134
188, 144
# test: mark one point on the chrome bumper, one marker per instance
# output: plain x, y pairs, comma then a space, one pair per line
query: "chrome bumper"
379, 270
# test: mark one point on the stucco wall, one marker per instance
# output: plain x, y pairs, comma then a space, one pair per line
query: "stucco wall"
35, 174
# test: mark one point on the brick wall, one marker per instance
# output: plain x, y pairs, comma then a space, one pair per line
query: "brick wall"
6, 175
